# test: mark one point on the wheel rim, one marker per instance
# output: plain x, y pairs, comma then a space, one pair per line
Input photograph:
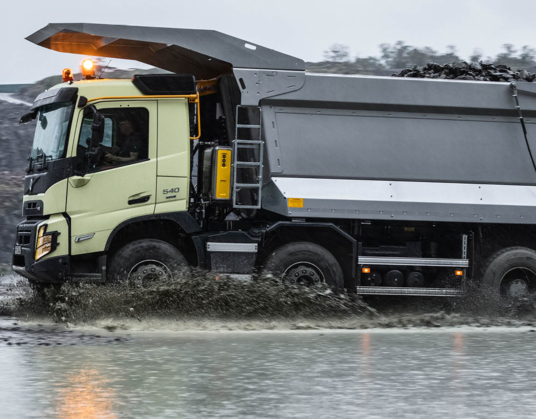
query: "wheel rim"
303, 273
148, 271
518, 283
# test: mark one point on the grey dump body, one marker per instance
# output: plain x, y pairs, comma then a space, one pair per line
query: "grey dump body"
353, 147
401, 149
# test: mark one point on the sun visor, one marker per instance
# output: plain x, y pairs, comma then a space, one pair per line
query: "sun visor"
62, 95
203, 53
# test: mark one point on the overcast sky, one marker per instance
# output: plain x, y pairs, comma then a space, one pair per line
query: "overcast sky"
304, 28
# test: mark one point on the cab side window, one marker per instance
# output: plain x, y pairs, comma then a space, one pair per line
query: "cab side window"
125, 141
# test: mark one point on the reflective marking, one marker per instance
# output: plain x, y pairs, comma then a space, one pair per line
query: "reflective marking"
232, 247
411, 192
397, 261
436, 292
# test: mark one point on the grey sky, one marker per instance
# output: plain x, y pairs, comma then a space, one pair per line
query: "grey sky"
304, 28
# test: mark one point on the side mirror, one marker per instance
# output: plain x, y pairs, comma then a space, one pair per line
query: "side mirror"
97, 127
30, 116
94, 153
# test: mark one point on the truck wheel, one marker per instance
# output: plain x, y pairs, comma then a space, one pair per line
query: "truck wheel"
511, 272
305, 263
145, 261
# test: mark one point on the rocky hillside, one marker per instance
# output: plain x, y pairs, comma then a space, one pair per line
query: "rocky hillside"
15, 139
15, 145
10, 212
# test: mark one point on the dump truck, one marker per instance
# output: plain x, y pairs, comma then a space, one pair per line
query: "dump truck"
238, 161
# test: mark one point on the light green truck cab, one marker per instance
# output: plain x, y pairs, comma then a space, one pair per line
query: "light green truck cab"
136, 189
82, 209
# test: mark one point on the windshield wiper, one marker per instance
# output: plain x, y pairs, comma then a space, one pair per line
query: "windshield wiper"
30, 161
44, 164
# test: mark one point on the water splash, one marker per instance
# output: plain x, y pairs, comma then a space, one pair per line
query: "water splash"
204, 301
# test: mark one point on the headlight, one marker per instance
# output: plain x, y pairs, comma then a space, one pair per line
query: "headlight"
44, 243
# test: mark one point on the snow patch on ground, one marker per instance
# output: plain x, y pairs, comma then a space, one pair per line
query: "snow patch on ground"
8, 97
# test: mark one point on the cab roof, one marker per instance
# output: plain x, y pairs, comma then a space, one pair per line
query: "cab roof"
91, 89
96, 88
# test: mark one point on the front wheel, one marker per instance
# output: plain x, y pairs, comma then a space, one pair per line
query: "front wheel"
145, 261
306, 264
511, 272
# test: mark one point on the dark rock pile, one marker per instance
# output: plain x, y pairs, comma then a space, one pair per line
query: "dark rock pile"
465, 71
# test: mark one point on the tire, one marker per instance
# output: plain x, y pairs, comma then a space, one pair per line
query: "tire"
294, 258
144, 261
510, 272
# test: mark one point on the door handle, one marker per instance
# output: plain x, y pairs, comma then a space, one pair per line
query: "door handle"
140, 200
79, 181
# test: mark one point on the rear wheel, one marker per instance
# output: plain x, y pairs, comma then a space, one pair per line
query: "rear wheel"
145, 261
305, 264
511, 272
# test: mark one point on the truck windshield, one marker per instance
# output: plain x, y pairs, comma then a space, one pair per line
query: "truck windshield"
51, 130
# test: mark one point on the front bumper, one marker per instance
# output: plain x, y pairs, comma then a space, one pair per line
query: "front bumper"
51, 269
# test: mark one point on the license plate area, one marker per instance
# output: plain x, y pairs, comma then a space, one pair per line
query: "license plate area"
18, 250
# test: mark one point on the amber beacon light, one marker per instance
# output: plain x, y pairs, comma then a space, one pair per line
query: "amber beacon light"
88, 69
67, 75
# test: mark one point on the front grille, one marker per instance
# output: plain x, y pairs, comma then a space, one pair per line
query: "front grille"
24, 238
25, 232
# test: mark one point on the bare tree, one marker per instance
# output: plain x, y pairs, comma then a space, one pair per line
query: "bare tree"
528, 55
338, 53
476, 56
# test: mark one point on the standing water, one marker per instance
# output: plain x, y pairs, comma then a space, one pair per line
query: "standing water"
199, 365
444, 373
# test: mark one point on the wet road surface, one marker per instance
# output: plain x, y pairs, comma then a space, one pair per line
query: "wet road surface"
447, 373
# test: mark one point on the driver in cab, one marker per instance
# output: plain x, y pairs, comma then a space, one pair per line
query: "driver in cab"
130, 146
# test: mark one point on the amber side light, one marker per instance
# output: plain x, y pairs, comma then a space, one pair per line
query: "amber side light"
365, 270
44, 243
458, 273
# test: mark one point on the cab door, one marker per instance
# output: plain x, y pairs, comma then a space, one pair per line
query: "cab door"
122, 184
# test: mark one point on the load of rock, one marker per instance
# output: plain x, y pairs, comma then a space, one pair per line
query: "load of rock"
465, 71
